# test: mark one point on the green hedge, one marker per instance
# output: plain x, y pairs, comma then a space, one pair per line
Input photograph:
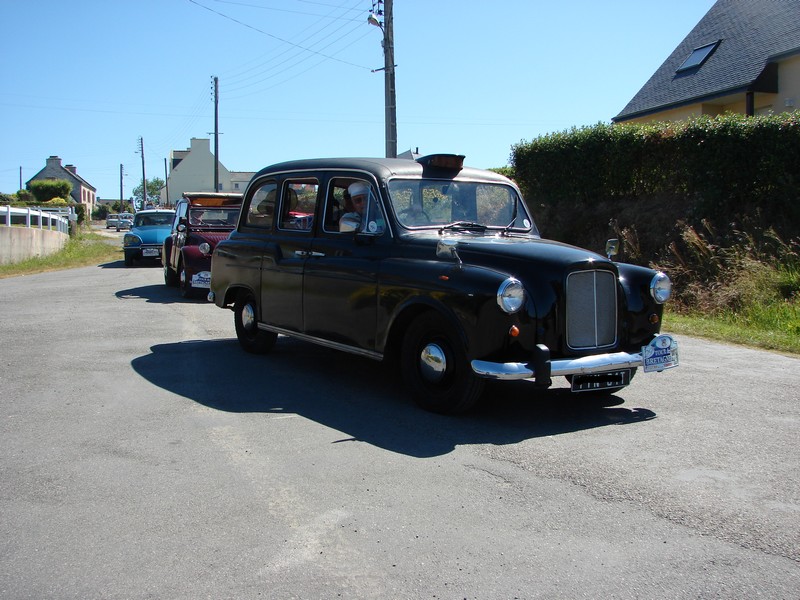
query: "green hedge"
639, 181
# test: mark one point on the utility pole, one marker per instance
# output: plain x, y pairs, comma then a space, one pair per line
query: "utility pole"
144, 177
121, 197
384, 9
216, 134
166, 181
391, 102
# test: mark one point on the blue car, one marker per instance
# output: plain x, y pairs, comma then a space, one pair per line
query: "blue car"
146, 237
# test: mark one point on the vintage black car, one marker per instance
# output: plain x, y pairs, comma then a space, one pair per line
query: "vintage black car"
436, 266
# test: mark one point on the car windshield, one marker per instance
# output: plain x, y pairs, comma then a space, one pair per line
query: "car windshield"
213, 215
148, 219
468, 205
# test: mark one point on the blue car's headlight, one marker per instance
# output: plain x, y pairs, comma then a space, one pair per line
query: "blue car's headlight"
131, 240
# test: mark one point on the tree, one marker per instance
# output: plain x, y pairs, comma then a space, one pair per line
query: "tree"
46, 189
154, 186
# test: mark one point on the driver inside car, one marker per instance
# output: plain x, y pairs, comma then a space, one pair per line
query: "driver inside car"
365, 215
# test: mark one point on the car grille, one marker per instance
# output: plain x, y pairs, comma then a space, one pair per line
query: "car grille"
591, 309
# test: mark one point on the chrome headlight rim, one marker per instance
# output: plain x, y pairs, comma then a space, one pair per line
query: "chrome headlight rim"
511, 296
204, 248
661, 287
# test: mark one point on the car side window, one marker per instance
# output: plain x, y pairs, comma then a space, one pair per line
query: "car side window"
261, 209
298, 204
352, 205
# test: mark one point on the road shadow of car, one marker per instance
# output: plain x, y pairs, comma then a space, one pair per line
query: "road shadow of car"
157, 294
361, 398
120, 264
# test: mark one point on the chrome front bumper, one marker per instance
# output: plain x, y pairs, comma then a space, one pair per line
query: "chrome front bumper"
586, 365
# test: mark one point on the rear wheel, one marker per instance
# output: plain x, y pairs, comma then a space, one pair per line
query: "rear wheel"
170, 278
435, 367
250, 337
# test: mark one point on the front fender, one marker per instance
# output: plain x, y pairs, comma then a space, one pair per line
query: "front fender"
195, 261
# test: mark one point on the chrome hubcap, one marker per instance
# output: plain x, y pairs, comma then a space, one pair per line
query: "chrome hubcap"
432, 363
248, 317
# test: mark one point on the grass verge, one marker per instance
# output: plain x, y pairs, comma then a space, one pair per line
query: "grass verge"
83, 250
734, 329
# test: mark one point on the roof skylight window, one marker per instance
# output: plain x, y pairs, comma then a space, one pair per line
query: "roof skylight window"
699, 56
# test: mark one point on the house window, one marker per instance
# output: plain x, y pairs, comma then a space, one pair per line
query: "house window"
698, 56
236, 186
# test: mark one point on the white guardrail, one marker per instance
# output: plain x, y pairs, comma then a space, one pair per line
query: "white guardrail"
54, 219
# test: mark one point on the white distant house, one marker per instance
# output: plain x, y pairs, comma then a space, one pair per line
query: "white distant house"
192, 170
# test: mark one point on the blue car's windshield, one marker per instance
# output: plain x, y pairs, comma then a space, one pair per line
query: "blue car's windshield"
149, 219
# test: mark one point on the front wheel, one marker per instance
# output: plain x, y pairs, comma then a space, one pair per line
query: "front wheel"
436, 369
185, 283
251, 338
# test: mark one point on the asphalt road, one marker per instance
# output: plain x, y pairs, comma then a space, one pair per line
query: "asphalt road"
144, 455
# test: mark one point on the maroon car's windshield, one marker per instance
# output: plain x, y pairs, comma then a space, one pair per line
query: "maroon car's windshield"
213, 216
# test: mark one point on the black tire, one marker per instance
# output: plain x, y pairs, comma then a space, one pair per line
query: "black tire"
128, 260
435, 367
170, 278
251, 338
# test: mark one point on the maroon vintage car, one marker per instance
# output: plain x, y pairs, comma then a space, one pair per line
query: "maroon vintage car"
201, 220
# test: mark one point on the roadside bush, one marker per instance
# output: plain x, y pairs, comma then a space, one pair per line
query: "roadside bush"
45, 190
639, 181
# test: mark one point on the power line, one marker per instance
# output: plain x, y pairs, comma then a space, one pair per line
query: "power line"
275, 37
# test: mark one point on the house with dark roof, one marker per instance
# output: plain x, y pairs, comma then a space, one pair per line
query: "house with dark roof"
82, 191
742, 57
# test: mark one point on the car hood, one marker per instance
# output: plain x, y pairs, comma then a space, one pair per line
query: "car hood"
493, 248
212, 237
152, 234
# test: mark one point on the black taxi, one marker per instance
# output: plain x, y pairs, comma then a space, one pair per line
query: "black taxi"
439, 268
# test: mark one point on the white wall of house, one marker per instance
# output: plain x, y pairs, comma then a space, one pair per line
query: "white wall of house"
194, 173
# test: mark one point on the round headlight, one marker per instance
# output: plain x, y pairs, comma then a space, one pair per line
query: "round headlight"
511, 296
205, 248
131, 240
660, 287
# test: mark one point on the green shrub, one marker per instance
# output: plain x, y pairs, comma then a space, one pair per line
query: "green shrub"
45, 190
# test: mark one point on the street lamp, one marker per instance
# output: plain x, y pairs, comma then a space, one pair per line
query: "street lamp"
388, 72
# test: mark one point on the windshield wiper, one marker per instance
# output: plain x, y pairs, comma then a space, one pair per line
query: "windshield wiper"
463, 226
513, 218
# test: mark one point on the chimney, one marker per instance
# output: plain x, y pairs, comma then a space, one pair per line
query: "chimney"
54, 161
71, 169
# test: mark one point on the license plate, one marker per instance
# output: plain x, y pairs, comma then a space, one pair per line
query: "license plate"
601, 381
660, 354
202, 279
151, 252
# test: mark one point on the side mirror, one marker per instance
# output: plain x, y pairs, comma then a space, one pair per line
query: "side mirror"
448, 250
181, 227
612, 248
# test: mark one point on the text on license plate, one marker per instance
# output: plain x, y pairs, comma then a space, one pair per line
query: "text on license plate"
601, 381
151, 252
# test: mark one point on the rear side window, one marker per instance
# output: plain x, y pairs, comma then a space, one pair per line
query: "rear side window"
299, 204
261, 210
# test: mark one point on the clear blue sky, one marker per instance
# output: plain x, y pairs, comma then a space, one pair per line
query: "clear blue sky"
85, 79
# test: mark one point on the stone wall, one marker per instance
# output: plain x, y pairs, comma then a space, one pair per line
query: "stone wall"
20, 243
